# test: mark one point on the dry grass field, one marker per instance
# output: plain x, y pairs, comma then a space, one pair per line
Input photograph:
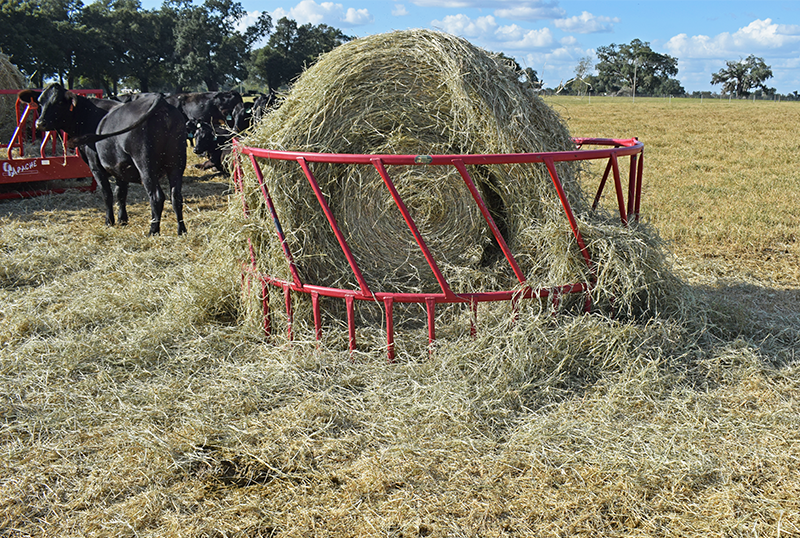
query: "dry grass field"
137, 398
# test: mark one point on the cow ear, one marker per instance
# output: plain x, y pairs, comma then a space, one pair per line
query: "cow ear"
73, 98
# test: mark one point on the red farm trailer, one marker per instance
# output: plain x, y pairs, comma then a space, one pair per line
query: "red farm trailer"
29, 167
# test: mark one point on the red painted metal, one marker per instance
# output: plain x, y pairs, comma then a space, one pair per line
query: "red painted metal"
50, 165
613, 149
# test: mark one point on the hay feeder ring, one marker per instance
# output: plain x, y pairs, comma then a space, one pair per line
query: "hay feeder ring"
611, 150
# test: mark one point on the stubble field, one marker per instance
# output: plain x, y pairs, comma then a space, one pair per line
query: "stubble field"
138, 399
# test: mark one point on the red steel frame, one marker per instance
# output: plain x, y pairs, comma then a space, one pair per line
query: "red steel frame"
18, 170
616, 148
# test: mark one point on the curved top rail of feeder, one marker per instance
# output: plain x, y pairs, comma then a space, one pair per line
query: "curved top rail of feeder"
622, 147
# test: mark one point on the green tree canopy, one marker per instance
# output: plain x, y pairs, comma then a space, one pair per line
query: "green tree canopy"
39, 36
738, 78
210, 50
292, 48
635, 67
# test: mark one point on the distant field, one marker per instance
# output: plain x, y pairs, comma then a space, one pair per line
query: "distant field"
137, 401
722, 178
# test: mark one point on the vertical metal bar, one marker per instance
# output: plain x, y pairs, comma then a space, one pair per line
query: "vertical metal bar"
430, 304
317, 316
238, 176
335, 227
281, 237
459, 164
568, 210
18, 136
388, 302
639, 174
473, 319
267, 315
602, 185
287, 297
351, 323
618, 186
632, 187
378, 163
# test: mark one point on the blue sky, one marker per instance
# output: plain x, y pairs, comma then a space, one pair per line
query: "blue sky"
552, 36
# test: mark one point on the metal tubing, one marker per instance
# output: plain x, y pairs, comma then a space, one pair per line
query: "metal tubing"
631, 147
602, 185
568, 210
277, 222
473, 319
317, 316
287, 298
639, 173
618, 187
265, 308
632, 187
459, 164
388, 303
334, 226
430, 304
378, 163
351, 322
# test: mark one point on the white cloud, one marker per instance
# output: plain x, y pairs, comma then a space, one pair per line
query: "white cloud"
486, 30
445, 3
399, 10
530, 10
357, 17
759, 35
308, 11
463, 26
586, 23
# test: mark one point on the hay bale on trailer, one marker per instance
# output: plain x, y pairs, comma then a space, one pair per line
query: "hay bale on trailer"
423, 92
10, 79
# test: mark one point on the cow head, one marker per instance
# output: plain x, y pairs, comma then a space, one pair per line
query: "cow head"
227, 101
242, 117
205, 140
56, 108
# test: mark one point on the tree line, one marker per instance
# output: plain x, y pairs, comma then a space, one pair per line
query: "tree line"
185, 47
635, 68
111, 44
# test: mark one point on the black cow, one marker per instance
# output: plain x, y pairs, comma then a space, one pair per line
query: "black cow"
211, 107
262, 104
242, 117
135, 142
214, 142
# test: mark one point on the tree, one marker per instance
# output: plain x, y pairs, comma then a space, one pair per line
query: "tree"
740, 77
581, 83
40, 36
635, 67
291, 49
532, 78
209, 49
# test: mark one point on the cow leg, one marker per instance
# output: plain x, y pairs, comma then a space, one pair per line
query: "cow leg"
122, 201
108, 196
175, 184
156, 196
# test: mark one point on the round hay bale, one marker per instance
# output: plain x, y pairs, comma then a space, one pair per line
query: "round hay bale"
10, 79
420, 92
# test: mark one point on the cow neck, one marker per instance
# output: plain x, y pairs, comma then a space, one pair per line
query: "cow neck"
86, 117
